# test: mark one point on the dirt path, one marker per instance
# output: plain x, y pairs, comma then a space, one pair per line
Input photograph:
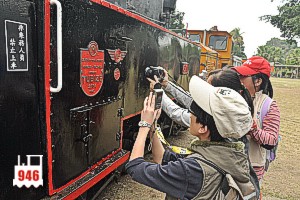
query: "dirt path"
283, 179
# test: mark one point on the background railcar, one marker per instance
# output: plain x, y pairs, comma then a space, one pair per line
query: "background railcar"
217, 48
72, 86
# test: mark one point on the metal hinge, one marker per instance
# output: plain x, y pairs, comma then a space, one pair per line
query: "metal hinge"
118, 136
120, 112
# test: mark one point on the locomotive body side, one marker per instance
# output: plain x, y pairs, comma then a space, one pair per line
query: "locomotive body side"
80, 130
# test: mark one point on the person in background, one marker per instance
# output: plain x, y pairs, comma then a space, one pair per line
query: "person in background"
255, 75
181, 115
211, 171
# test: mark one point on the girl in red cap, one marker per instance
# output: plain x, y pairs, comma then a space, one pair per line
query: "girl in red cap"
255, 75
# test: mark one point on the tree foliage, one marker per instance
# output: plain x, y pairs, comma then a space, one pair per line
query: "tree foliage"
238, 43
293, 57
176, 21
271, 53
285, 45
287, 20
278, 50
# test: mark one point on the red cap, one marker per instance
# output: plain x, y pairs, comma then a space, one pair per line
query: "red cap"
254, 65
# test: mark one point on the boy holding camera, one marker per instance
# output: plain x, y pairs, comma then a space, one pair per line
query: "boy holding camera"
217, 169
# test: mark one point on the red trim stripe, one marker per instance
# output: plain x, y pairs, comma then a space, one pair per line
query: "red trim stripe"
95, 180
51, 190
131, 115
87, 171
138, 17
47, 91
101, 161
48, 102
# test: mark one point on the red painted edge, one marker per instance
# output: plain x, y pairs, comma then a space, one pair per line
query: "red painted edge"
87, 171
48, 104
98, 163
131, 115
96, 179
91, 168
104, 159
137, 17
47, 91
51, 190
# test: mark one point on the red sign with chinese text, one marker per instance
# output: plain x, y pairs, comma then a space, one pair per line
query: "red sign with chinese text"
91, 69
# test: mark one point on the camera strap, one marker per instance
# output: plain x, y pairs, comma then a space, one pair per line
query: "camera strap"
161, 137
151, 137
175, 149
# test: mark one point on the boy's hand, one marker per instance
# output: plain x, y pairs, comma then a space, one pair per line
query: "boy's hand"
149, 113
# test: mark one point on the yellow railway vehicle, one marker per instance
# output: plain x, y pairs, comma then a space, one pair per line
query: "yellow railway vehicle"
209, 58
214, 42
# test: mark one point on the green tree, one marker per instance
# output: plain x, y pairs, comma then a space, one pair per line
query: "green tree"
271, 53
238, 43
276, 50
287, 20
293, 57
285, 45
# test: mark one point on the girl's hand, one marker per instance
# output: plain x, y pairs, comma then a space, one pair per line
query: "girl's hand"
253, 127
165, 81
152, 83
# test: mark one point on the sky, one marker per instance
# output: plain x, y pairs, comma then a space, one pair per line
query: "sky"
230, 14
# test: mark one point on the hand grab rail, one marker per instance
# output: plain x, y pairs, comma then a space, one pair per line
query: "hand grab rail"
59, 46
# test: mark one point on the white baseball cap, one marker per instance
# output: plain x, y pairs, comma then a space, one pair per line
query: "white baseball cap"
228, 108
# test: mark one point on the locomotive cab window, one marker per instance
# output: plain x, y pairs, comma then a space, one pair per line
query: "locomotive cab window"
195, 38
218, 42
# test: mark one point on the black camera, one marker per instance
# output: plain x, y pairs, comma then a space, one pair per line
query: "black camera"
158, 71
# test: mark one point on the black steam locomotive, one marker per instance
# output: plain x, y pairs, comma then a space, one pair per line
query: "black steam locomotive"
72, 86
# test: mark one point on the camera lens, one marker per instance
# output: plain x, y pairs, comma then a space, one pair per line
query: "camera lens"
148, 72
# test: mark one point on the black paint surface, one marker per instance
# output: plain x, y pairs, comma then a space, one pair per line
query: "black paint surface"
84, 129
19, 104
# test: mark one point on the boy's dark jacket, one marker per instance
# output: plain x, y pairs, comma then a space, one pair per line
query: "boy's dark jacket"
219, 161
